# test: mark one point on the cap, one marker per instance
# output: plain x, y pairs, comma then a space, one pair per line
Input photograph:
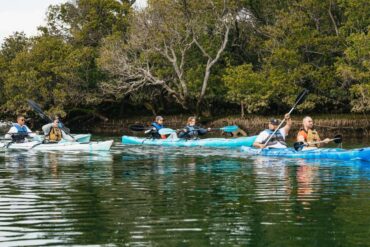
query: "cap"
274, 121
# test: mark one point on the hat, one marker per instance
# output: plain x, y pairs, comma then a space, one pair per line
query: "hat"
274, 121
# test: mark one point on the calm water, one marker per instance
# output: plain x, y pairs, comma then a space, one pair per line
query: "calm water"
152, 196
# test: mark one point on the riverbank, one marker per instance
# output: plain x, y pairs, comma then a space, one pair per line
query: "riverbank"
348, 125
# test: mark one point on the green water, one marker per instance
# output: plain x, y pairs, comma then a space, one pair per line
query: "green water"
152, 196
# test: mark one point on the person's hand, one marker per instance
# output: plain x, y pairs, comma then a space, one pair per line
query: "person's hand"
326, 140
287, 116
209, 129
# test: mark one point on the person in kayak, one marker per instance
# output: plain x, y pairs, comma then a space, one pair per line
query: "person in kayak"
191, 131
155, 127
308, 135
19, 131
53, 131
278, 139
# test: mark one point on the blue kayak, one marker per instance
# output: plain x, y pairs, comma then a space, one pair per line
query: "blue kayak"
319, 153
207, 142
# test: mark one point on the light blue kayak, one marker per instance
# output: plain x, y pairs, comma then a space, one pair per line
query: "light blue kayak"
81, 138
207, 142
319, 153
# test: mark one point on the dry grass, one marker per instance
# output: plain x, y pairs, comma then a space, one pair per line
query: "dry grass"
348, 125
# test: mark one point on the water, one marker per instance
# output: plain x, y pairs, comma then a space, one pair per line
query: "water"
152, 196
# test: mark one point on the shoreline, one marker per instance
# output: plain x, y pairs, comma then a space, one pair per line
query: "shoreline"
347, 125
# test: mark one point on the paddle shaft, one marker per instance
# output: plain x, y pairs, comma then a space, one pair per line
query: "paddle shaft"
330, 140
37, 108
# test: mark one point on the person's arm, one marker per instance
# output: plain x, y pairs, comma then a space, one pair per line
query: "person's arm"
67, 137
300, 138
258, 145
258, 142
30, 133
12, 130
288, 124
46, 128
202, 131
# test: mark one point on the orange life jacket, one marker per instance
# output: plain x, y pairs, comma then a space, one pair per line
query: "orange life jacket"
309, 136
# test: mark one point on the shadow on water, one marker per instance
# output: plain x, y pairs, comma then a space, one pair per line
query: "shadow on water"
153, 196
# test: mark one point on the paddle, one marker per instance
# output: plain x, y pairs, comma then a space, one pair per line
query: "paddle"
228, 129
298, 146
138, 127
39, 111
300, 98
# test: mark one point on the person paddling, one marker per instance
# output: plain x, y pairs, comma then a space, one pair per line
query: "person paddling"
19, 131
155, 127
308, 135
191, 131
53, 131
278, 139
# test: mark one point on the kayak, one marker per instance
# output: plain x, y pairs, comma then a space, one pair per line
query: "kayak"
208, 142
319, 153
61, 146
82, 138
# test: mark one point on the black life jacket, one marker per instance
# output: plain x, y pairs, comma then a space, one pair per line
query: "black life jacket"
156, 128
277, 137
192, 132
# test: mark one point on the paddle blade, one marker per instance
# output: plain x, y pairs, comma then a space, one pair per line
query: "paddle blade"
338, 139
39, 111
137, 127
298, 146
230, 128
166, 131
301, 97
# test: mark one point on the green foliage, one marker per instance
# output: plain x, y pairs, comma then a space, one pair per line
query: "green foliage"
354, 70
247, 87
275, 48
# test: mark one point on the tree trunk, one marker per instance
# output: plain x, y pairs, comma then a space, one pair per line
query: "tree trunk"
242, 109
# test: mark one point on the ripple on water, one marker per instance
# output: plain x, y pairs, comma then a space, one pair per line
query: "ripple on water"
150, 196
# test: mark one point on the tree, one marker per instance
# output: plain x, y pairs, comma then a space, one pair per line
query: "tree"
247, 88
162, 39
354, 70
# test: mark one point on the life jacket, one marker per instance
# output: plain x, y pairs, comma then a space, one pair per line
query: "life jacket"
310, 136
21, 129
192, 132
155, 133
277, 137
55, 134
21, 134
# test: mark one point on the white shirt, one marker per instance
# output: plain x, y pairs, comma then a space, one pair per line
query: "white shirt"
14, 130
264, 135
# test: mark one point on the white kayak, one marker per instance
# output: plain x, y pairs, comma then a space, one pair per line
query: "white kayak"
61, 146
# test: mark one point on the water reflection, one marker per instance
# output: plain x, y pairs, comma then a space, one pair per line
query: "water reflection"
174, 197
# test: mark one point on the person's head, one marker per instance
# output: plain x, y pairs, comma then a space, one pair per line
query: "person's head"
159, 119
192, 121
307, 123
56, 121
273, 123
21, 120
